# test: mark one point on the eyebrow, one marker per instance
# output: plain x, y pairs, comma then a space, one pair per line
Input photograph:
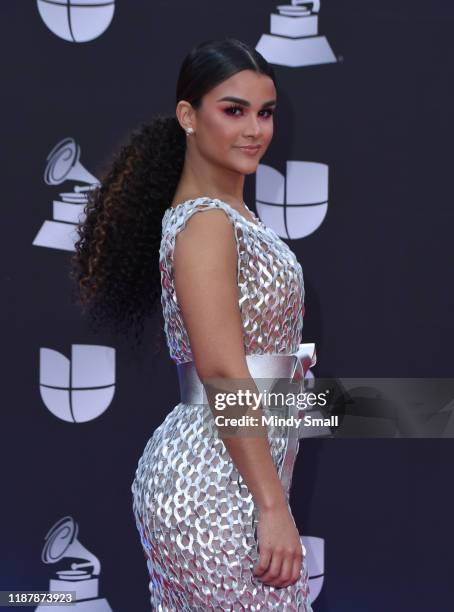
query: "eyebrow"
245, 102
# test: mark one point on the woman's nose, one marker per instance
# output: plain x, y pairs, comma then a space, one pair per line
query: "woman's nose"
253, 127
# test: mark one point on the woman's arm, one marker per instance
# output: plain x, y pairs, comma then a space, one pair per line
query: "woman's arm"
205, 272
205, 269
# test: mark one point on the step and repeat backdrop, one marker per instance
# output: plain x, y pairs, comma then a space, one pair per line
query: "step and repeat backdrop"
362, 162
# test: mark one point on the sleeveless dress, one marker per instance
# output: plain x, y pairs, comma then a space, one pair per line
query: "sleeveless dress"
194, 513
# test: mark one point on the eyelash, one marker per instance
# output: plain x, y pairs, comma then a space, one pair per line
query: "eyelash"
226, 110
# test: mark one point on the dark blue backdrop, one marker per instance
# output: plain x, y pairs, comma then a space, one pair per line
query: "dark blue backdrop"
379, 300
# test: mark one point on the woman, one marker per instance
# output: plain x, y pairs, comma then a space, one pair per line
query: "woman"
212, 512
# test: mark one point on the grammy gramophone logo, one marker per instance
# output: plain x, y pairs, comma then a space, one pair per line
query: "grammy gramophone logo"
294, 39
77, 20
81, 576
63, 164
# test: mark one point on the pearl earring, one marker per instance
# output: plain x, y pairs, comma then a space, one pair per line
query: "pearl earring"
189, 131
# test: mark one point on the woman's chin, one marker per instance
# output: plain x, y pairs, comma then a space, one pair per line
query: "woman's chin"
247, 167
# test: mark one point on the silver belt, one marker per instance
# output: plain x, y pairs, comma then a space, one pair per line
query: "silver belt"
292, 367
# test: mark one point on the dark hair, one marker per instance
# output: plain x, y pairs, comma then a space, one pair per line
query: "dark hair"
116, 263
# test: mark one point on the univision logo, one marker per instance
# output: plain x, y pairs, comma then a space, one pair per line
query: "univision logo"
77, 20
79, 389
294, 39
294, 205
315, 559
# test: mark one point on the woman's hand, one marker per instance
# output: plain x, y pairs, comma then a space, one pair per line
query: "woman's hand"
280, 548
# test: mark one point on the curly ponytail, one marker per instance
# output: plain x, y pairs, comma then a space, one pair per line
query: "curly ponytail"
116, 263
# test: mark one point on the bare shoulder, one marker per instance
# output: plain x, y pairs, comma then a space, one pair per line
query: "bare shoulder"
207, 224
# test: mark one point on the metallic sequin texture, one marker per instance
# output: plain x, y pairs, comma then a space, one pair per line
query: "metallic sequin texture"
195, 515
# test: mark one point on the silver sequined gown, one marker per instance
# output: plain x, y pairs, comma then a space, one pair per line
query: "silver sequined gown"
195, 515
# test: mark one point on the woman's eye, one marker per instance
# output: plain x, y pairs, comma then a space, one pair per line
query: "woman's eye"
232, 108
230, 111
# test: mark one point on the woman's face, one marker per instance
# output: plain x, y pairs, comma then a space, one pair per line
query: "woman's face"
223, 126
